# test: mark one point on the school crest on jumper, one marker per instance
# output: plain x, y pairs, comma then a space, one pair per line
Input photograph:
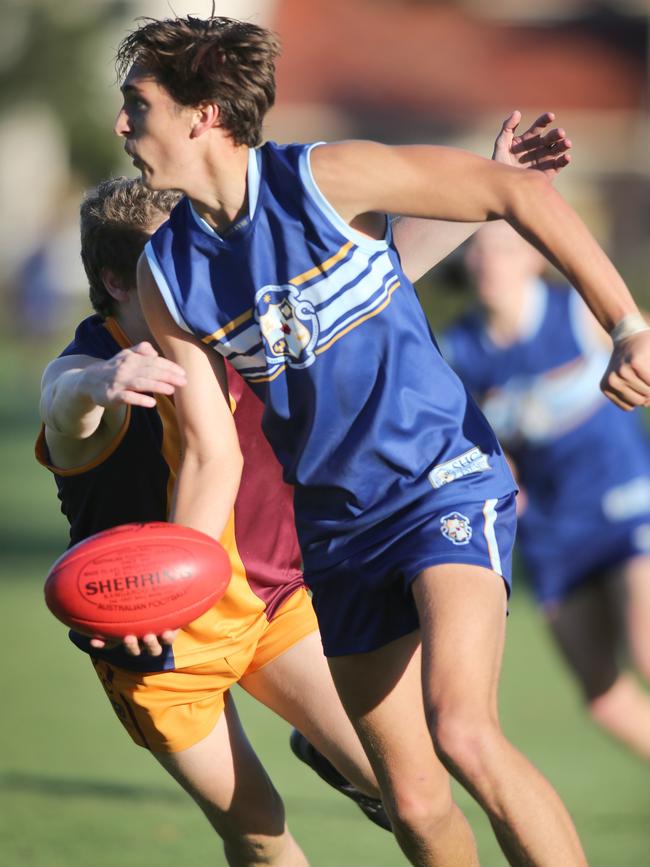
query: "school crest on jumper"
289, 326
456, 527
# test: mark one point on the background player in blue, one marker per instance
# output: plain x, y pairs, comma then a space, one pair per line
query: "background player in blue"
281, 259
533, 355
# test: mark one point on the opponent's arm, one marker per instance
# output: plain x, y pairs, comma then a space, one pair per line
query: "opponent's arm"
211, 462
360, 178
423, 243
84, 399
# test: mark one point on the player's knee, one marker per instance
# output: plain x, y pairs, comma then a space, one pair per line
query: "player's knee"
418, 816
251, 850
465, 743
260, 837
253, 830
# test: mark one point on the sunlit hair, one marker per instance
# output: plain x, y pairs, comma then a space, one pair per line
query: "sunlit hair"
229, 62
117, 218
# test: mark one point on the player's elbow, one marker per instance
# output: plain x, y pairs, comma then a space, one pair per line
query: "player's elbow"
215, 463
524, 193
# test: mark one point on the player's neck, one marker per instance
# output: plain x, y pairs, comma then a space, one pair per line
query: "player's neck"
133, 326
219, 195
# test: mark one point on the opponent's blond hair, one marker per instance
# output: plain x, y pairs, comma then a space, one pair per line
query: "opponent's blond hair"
117, 219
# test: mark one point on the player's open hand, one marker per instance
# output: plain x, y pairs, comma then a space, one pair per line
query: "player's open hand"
537, 148
133, 376
134, 646
627, 379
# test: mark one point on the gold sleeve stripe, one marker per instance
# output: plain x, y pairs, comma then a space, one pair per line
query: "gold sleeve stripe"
325, 266
217, 335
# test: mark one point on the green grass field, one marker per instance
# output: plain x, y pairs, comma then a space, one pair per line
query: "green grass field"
74, 791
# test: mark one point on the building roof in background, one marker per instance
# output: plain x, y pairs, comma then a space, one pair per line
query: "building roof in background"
415, 57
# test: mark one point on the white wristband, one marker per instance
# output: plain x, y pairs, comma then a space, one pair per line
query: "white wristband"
631, 324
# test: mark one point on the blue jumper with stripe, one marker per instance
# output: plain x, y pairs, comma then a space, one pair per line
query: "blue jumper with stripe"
583, 463
371, 425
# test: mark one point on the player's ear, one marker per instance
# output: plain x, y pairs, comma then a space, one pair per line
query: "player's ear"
114, 285
206, 117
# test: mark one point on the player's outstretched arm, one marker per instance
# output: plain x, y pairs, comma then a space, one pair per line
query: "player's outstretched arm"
211, 462
77, 390
445, 183
423, 243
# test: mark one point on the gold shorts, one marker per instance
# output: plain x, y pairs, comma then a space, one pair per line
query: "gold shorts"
169, 711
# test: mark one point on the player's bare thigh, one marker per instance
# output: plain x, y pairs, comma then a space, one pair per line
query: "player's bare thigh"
462, 610
225, 777
382, 693
298, 686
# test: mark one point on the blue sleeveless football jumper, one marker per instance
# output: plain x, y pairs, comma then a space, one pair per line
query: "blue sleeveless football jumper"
370, 424
583, 463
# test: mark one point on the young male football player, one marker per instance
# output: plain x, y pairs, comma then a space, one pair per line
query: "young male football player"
280, 258
111, 440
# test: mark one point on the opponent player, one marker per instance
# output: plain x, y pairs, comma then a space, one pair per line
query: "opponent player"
280, 258
533, 355
113, 448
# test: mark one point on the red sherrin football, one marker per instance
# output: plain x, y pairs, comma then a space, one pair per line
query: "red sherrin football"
137, 579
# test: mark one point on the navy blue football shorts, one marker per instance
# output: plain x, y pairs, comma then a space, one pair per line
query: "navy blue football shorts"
557, 564
366, 601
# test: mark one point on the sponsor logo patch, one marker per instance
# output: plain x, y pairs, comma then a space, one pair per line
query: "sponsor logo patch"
472, 461
456, 527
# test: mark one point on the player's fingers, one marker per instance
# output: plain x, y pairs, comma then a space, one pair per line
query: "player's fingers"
617, 399
538, 126
553, 135
131, 644
540, 152
134, 398
151, 645
144, 348
626, 393
157, 367
142, 385
511, 123
169, 636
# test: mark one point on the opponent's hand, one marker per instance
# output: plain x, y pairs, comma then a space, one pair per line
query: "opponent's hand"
151, 644
537, 148
132, 377
627, 379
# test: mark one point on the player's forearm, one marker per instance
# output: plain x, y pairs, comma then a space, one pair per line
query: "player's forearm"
547, 221
205, 492
67, 406
421, 244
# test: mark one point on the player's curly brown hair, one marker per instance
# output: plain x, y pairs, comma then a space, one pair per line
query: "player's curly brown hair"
117, 219
220, 59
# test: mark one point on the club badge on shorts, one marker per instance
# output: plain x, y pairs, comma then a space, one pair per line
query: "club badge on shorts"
456, 527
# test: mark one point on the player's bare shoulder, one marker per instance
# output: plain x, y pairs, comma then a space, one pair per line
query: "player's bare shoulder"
348, 172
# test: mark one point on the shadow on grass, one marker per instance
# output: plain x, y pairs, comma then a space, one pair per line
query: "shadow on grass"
77, 788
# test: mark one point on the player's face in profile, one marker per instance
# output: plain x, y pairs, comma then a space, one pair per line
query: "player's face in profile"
156, 130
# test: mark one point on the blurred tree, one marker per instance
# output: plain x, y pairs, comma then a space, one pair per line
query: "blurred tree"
57, 58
